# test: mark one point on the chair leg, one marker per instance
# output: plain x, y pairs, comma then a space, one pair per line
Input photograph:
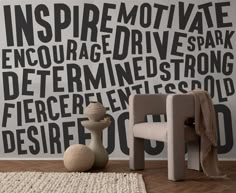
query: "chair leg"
176, 161
194, 155
136, 154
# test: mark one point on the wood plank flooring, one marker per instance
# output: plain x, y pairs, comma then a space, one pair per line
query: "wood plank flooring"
155, 175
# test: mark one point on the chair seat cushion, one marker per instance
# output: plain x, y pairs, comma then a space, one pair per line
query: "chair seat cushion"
158, 131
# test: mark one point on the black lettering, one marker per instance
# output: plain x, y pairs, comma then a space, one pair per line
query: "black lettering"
28, 111
191, 46
19, 58
77, 104
6, 113
124, 74
40, 109
137, 41
64, 106
67, 136
177, 63
166, 73
146, 13
220, 96
228, 129
26, 82
76, 21
184, 15
54, 138
122, 132
229, 86
8, 25
161, 45
160, 9
177, 43
84, 52
50, 101
110, 70
203, 63
74, 78
127, 17
71, 50
58, 57
8, 141
28, 56
6, 58
206, 10
171, 16
40, 12
151, 64
44, 57
112, 101
117, 48
105, 44
57, 78
190, 62
228, 37
137, 68
24, 25
106, 17
90, 9
31, 132
197, 24
95, 81
43, 74
20, 141
220, 15
124, 97
14, 92
19, 114
44, 142
61, 11
111, 136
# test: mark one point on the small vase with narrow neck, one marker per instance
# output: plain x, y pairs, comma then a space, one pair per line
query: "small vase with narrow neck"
95, 111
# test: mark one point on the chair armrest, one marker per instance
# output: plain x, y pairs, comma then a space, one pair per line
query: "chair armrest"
179, 108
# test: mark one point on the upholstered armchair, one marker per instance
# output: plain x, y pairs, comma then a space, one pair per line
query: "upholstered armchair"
178, 108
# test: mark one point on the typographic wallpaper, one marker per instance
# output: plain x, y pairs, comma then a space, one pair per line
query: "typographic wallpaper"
56, 56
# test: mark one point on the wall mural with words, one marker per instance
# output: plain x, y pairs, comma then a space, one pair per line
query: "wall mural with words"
57, 56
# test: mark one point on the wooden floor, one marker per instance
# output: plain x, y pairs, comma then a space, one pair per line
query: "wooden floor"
155, 175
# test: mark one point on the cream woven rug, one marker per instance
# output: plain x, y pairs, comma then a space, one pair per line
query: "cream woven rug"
43, 182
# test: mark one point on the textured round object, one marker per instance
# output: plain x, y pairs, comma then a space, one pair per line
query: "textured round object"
95, 111
78, 158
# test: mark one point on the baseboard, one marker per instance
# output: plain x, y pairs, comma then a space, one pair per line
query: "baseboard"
113, 158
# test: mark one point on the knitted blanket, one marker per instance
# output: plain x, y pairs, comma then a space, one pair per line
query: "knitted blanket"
205, 126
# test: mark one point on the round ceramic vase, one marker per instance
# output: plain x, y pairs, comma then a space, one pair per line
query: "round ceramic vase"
95, 111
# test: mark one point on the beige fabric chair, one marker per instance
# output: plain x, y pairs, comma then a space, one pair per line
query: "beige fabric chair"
177, 107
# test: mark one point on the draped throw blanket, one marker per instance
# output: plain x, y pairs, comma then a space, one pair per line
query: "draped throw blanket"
205, 126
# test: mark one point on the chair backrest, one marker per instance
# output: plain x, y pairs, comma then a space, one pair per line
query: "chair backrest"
146, 104
178, 105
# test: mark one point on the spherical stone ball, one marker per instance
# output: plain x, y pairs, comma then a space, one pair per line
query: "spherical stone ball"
78, 158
